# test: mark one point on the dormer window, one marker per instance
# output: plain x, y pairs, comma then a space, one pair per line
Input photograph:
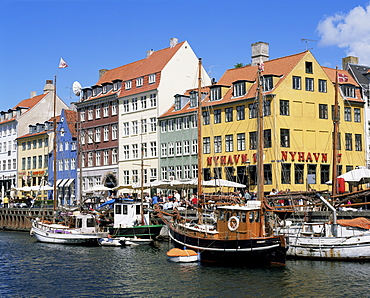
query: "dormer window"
139, 82
215, 93
105, 89
267, 83
193, 99
239, 89
152, 78
177, 103
128, 85
348, 91
95, 91
116, 85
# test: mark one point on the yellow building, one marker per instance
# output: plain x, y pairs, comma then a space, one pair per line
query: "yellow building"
33, 156
298, 106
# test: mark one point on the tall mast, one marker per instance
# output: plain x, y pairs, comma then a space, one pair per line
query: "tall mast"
260, 140
142, 180
199, 124
335, 136
55, 146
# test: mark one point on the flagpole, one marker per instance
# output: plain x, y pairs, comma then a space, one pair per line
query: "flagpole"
55, 146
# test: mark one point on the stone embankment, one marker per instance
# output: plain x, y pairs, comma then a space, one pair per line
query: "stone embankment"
19, 219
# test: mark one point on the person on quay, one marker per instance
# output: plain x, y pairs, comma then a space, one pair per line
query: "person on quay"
6, 202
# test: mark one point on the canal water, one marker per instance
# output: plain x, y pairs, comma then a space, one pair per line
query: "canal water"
32, 269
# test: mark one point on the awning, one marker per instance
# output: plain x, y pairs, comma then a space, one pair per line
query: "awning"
58, 182
62, 183
69, 182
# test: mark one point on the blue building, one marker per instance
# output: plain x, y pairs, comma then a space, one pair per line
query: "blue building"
66, 165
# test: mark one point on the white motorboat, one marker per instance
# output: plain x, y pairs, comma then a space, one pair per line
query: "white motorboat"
81, 229
178, 255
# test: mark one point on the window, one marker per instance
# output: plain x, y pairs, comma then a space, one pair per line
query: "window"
322, 86
347, 114
186, 172
90, 113
151, 79
143, 126
153, 100
357, 115
73, 163
171, 149
126, 107
135, 151
178, 148
114, 108
144, 149
139, 82
217, 116
358, 142
348, 140
332, 112
229, 143
23, 163
348, 91
267, 138
228, 114
34, 162
97, 134
185, 122
194, 170
23, 146
215, 93
82, 115
170, 125
126, 129
90, 159
240, 113
206, 145
267, 83
217, 144
323, 111
128, 85
206, 118
267, 108
241, 141
285, 173
135, 129
164, 149
194, 121
194, 146
253, 140
135, 176
296, 83
126, 177
267, 171
114, 132
193, 99
298, 173
97, 112
253, 110
153, 149
284, 138
97, 158
106, 157
239, 89
114, 156
143, 102
134, 104
126, 152
105, 110
153, 124
40, 160
28, 146
163, 125
178, 123
309, 67
284, 107
186, 147
90, 136
324, 169
309, 84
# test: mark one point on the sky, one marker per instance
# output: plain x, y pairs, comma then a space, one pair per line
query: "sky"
103, 34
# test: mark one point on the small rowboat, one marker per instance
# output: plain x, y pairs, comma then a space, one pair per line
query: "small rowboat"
178, 255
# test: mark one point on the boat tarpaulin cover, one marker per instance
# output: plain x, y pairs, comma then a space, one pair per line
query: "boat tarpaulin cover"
177, 252
359, 222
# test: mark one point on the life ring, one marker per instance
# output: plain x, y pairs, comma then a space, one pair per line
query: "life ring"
233, 223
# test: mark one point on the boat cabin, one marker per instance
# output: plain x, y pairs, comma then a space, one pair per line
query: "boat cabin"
128, 214
241, 221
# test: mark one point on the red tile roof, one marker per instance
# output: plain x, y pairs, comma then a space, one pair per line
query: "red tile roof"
71, 118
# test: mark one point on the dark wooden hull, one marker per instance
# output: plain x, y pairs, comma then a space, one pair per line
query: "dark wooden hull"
251, 252
144, 232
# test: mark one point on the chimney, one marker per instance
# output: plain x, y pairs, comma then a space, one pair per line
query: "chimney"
173, 42
102, 72
260, 52
349, 59
148, 53
49, 87
33, 94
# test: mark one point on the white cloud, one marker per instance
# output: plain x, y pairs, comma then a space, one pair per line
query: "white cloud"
350, 32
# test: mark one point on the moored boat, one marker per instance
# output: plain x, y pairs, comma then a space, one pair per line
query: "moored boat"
177, 255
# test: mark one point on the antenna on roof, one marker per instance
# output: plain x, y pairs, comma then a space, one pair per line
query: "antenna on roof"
306, 41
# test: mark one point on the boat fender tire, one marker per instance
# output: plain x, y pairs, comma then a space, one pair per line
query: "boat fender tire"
233, 223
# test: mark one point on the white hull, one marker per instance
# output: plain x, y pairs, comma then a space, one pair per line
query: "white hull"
184, 259
111, 242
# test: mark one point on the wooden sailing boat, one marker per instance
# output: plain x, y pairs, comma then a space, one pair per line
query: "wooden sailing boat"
335, 240
233, 234
79, 228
